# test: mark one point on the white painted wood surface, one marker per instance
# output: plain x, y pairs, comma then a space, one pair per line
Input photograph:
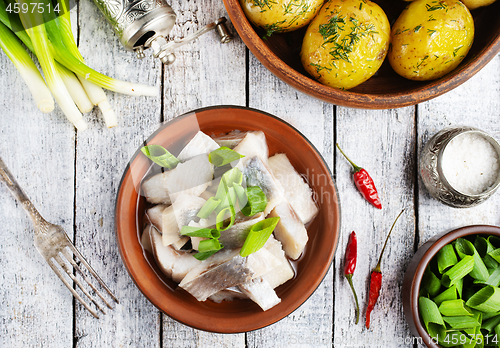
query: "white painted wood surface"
73, 179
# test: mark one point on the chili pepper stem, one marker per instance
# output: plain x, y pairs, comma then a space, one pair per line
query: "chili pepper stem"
377, 268
349, 279
356, 168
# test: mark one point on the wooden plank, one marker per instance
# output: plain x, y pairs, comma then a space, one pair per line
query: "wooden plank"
312, 322
476, 103
205, 73
383, 142
35, 307
102, 156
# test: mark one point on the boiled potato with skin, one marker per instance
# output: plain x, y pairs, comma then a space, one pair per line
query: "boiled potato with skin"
346, 43
278, 16
430, 38
472, 4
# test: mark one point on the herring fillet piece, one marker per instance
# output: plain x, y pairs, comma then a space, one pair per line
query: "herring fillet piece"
186, 207
257, 173
146, 238
290, 231
235, 236
179, 214
261, 292
230, 139
284, 272
253, 144
220, 271
173, 263
154, 189
200, 144
297, 191
191, 177
155, 215
262, 262
228, 294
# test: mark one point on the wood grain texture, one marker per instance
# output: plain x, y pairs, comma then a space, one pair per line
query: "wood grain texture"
312, 321
73, 179
39, 150
476, 104
383, 142
102, 155
205, 73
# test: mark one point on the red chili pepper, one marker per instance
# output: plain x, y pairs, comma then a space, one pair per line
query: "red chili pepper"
364, 183
351, 256
376, 279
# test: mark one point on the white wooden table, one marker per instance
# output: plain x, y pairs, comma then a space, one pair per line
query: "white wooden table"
73, 178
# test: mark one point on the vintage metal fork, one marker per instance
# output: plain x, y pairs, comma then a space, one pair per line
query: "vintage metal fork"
54, 245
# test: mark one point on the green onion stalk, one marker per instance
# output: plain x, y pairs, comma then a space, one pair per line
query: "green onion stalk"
95, 93
27, 69
33, 22
59, 57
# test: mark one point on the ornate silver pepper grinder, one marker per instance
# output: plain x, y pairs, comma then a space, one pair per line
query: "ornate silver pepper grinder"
141, 24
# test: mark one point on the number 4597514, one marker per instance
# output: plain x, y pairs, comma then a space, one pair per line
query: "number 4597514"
459, 338
33, 7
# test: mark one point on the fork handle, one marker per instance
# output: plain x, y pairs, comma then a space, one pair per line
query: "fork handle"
8, 179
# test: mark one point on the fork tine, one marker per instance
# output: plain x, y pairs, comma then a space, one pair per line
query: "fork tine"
78, 297
69, 272
91, 270
75, 265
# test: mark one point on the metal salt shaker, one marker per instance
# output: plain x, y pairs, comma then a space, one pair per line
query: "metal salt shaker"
432, 173
142, 24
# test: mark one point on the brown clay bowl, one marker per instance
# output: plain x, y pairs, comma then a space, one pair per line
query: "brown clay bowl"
386, 90
415, 271
239, 315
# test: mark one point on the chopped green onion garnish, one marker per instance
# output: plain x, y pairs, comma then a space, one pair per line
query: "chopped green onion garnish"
491, 323
465, 247
430, 283
431, 316
454, 308
208, 208
241, 194
205, 255
159, 155
223, 156
209, 245
256, 203
223, 216
192, 231
227, 181
457, 272
447, 295
486, 300
461, 322
483, 247
258, 235
232, 176
229, 199
446, 258
495, 254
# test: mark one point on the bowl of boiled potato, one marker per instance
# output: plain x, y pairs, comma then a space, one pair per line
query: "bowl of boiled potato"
370, 54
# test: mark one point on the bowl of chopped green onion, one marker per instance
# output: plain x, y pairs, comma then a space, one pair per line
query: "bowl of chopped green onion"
227, 219
451, 289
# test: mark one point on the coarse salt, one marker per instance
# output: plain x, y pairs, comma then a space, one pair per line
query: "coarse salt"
470, 163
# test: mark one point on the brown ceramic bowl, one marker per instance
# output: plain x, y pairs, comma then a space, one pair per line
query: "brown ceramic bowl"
281, 55
239, 315
415, 271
